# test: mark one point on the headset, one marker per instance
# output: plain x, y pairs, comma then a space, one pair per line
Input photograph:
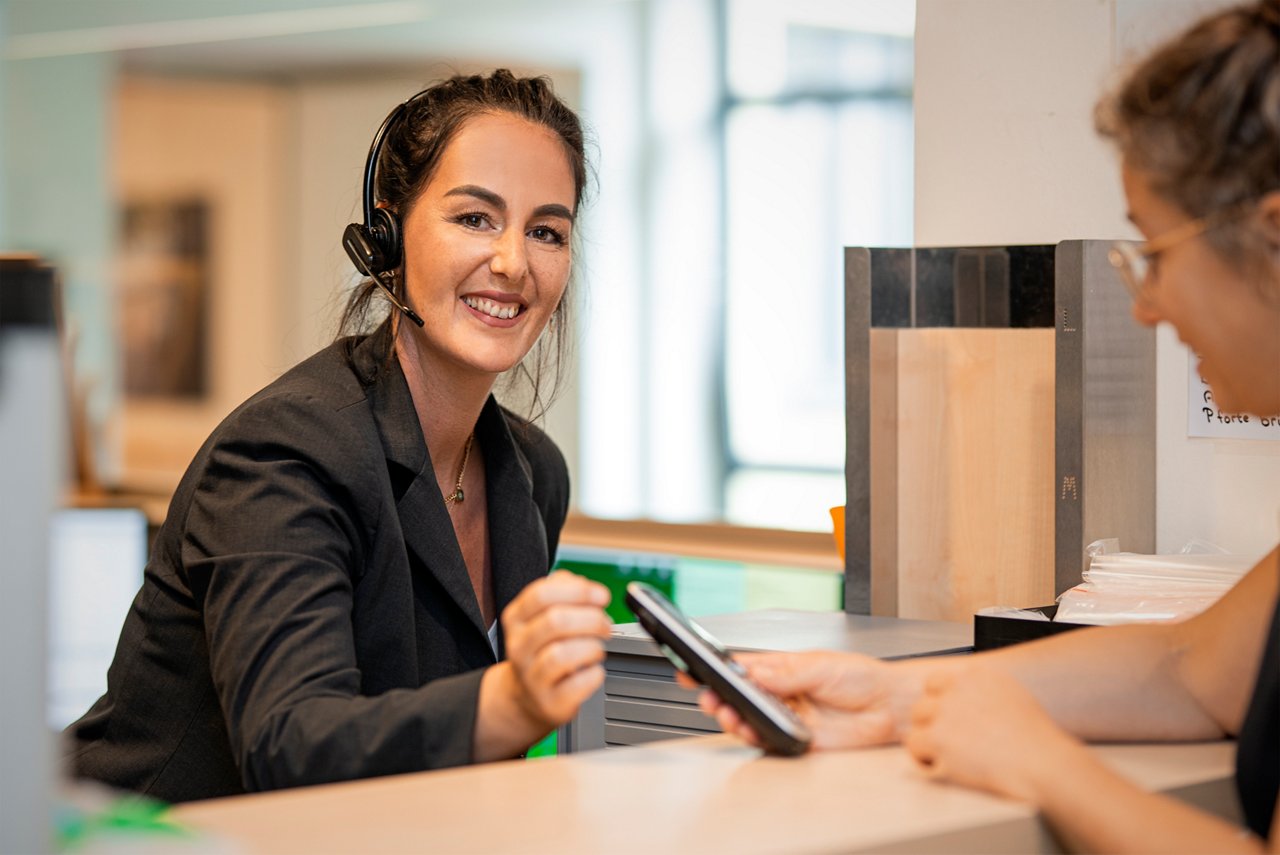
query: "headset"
374, 246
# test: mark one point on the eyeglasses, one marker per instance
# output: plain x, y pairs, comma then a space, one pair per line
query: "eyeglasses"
1133, 261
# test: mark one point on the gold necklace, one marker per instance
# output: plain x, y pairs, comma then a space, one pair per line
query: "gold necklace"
456, 495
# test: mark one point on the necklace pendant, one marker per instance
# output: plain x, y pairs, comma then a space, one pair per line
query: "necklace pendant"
457, 495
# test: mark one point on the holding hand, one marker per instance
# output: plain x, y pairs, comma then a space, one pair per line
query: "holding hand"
554, 633
846, 700
979, 727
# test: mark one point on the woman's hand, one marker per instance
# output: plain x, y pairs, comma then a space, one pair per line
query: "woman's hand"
979, 727
554, 632
845, 699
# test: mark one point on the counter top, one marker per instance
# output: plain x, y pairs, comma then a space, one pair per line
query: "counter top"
795, 629
705, 794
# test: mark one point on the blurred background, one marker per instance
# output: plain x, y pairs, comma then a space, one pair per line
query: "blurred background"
189, 167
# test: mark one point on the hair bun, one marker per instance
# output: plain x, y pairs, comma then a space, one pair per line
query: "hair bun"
1269, 13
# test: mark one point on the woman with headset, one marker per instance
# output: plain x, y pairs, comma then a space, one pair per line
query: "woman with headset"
1198, 128
352, 577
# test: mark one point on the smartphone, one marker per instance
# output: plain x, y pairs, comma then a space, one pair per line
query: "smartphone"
697, 653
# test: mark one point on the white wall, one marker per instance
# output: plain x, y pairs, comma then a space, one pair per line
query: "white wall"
1005, 153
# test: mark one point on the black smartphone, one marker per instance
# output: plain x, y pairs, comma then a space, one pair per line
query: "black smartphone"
697, 653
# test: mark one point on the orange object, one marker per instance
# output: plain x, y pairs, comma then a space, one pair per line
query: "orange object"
837, 522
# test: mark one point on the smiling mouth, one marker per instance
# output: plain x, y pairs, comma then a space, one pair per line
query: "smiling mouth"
501, 311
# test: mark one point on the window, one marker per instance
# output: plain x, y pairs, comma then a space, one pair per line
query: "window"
769, 135
817, 156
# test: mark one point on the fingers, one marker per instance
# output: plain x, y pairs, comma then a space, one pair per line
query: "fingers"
560, 703
553, 624
728, 719
556, 662
560, 606
938, 681
781, 673
560, 588
554, 633
814, 673
712, 707
918, 739
924, 711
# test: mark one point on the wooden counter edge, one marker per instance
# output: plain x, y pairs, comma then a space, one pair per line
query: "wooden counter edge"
787, 549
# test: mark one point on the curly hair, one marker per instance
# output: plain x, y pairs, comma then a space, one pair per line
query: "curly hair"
1200, 118
410, 155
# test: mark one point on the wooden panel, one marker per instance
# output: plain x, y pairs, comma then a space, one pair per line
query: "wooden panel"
784, 549
975, 470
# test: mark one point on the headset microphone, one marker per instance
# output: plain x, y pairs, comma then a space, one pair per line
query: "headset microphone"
374, 245
391, 295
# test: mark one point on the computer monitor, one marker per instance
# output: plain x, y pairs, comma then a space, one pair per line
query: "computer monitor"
96, 556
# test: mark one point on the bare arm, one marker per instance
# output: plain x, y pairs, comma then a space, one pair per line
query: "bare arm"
1179, 681
1004, 721
982, 729
1188, 680
1094, 809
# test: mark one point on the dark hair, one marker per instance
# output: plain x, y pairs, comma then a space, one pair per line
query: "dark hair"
411, 153
1201, 118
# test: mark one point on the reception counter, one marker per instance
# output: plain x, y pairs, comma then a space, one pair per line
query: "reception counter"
701, 794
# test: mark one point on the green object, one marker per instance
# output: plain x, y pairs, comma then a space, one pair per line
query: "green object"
614, 575
702, 586
129, 817
544, 747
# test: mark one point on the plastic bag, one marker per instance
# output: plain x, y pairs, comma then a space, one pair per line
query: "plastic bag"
1012, 612
1121, 587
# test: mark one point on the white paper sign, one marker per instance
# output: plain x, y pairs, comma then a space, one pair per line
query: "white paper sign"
1204, 418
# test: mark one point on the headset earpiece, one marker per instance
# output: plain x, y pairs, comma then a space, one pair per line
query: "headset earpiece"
374, 249
386, 233
374, 245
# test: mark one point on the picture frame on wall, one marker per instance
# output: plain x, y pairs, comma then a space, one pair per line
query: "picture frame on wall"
163, 292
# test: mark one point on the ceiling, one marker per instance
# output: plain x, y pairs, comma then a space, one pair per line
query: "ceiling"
287, 38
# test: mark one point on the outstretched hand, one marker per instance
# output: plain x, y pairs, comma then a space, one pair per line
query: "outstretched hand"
846, 700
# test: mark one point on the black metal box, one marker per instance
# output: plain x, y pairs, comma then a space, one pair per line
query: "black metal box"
992, 631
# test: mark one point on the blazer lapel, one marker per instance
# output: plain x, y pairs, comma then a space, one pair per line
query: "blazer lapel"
424, 519
517, 532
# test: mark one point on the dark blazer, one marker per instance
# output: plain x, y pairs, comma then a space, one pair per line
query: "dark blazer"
306, 615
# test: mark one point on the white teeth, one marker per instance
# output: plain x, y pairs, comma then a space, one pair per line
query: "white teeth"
492, 309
